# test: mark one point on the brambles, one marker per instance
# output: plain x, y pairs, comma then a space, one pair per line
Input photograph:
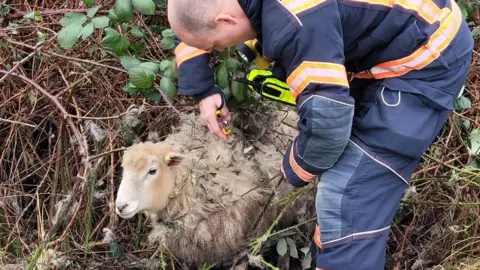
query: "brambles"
123, 37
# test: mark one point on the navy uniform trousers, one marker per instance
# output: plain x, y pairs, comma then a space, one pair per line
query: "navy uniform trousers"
395, 121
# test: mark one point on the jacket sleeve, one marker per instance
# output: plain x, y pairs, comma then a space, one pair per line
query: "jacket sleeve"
195, 76
312, 54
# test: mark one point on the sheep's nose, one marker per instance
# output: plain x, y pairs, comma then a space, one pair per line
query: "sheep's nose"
121, 207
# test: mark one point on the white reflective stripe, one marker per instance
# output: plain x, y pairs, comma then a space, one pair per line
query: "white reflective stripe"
381, 163
428, 10
293, 14
343, 103
353, 235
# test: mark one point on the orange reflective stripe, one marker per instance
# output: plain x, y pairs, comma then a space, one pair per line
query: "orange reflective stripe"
297, 6
316, 72
316, 237
426, 9
299, 171
439, 40
183, 52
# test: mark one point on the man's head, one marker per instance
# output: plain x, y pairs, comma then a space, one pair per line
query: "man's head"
209, 24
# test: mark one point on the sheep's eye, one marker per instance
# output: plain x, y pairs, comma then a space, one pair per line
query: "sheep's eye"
152, 171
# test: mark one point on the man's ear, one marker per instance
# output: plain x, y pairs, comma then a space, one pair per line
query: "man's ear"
223, 17
173, 159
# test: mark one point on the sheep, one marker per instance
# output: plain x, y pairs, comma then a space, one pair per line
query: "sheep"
213, 191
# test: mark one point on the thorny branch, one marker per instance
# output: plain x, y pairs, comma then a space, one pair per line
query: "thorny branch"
81, 143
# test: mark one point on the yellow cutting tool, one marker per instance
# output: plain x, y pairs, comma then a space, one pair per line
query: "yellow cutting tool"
267, 85
226, 126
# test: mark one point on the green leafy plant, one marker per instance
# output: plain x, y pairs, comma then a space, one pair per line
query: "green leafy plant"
126, 41
76, 25
283, 244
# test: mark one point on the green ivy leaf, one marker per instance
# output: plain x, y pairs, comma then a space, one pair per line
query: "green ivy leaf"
87, 30
463, 103
305, 250
150, 66
130, 88
129, 62
167, 43
239, 90
68, 36
165, 64
123, 10
111, 38
75, 18
476, 31
141, 78
307, 261
92, 11
474, 140
113, 16
292, 247
136, 31
228, 94
281, 246
121, 46
153, 95
232, 64
30, 15
437, 151
135, 47
167, 33
167, 86
116, 250
101, 22
171, 74
466, 124
88, 3
475, 163
222, 75
146, 7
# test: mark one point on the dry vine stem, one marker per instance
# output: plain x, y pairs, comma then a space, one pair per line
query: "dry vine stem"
81, 143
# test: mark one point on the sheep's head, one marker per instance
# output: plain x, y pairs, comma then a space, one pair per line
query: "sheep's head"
148, 178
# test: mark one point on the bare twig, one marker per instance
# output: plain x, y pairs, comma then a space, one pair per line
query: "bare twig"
81, 143
18, 123
26, 58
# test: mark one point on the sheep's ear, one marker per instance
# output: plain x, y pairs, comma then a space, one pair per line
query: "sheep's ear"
173, 159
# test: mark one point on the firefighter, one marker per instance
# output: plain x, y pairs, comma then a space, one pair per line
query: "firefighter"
374, 83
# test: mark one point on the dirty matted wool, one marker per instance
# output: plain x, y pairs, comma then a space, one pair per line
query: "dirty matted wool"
221, 199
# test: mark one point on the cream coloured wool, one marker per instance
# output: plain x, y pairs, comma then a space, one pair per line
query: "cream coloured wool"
213, 190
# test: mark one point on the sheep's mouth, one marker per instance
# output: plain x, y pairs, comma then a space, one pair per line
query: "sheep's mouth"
127, 215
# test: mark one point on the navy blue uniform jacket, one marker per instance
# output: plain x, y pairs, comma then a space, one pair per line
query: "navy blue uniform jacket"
319, 43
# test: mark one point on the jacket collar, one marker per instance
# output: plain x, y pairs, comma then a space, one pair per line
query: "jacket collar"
253, 10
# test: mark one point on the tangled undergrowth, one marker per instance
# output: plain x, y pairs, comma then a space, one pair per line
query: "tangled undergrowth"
67, 114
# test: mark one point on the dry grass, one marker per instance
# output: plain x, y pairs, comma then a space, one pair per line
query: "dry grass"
64, 120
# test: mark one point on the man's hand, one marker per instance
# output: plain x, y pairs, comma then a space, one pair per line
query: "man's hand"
208, 107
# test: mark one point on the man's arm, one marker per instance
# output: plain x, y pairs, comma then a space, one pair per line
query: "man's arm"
195, 77
312, 54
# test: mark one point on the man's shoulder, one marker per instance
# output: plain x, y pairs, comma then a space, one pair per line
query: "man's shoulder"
282, 19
